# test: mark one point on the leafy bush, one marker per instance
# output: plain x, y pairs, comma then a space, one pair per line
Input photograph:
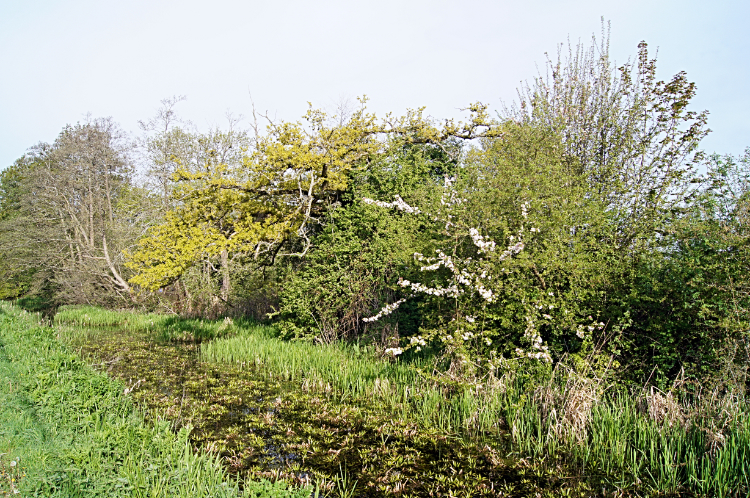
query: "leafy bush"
360, 252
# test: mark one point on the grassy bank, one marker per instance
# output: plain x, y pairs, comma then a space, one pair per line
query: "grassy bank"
163, 327
68, 431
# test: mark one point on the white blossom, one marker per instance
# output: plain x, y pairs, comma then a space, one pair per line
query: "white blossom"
418, 340
398, 203
511, 250
579, 332
484, 244
387, 310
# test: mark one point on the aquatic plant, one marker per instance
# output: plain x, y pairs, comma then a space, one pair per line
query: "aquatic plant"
624, 440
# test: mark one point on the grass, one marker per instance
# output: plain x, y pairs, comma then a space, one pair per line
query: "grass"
615, 436
71, 431
631, 449
409, 389
164, 327
641, 443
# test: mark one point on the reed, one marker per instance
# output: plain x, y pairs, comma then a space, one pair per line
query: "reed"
613, 435
646, 443
162, 327
91, 316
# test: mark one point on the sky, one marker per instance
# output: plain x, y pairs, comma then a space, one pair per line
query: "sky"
60, 60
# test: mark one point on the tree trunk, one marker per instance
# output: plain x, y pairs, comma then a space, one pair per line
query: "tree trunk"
224, 275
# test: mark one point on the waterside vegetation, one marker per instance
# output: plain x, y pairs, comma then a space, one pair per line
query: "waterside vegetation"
71, 431
553, 299
564, 422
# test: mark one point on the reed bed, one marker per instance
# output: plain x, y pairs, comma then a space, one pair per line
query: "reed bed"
90, 316
629, 449
648, 441
163, 327
645, 443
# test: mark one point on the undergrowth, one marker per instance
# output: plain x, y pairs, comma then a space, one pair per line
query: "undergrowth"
164, 327
683, 440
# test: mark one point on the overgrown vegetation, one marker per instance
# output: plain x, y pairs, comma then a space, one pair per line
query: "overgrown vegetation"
567, 422
264, 426
72, 432
573, 270
687, 438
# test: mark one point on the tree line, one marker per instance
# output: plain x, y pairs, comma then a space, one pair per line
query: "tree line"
582, 222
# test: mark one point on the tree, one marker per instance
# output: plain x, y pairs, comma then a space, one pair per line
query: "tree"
14, 279
511, 266
77, 212
691, 298
167, 144
271, 205
358, 255
632, 142
634, 137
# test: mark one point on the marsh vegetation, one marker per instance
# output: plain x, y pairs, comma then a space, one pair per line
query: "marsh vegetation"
355, 424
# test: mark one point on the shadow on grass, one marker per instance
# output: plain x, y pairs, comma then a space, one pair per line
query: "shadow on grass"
40, 303
196, 330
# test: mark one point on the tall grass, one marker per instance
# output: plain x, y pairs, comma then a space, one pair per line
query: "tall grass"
350, 369
351, 372
627, 447
646, 443
91, 316
164, 327
73, 432
651, 443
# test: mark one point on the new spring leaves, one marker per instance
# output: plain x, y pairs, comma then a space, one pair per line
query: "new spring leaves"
292, 176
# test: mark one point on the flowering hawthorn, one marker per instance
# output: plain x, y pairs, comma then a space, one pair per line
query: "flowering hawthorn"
469, 285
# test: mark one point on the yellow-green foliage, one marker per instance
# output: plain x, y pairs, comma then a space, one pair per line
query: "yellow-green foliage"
292, 176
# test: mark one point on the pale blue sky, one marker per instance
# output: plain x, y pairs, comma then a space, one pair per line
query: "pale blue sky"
60, 60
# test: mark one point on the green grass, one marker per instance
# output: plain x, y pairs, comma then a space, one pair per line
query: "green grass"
611, 438
686, 451
72, 432
91, 316
616, 441
37, 303
353, 372
164, 327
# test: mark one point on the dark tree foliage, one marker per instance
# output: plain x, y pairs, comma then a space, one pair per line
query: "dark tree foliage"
77, 212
